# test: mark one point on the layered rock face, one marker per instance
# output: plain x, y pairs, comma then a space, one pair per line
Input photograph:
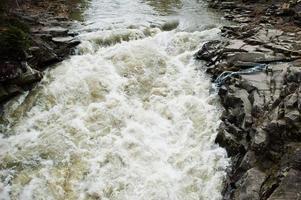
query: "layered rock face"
257, 70
33, 40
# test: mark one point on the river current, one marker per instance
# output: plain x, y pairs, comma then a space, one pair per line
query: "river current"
129, 117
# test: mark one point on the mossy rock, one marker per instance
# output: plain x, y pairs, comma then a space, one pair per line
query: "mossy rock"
13, 44
15, 22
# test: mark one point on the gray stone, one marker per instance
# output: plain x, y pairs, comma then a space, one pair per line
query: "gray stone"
260, 139
62, 39
29, 77
248, 161
226, 140
293, 117
255, 58
291, 101
289, 188
248, 187
55, 31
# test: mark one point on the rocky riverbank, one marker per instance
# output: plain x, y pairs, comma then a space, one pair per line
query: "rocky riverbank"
257, 69
34, 35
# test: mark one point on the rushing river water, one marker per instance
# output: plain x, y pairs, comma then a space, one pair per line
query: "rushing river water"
128, 118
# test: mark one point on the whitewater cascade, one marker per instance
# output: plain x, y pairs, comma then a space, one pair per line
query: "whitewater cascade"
129, 117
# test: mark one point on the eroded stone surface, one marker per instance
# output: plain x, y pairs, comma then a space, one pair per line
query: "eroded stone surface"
289, 188
50, 40
257, 70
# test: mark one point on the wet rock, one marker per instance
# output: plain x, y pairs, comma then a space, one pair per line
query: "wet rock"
291, 101
226, 140
242, 20
208, 50
54, 31
171, 25
289, 187
259, 140
231, 101
293, 117
228, 5
42, 54
248, 187
28, 77
62, 39
10, 70
280, 49
248, 161
257, 68
38, 38
9, 91
254, 58
244, 65
244, 84
295, 160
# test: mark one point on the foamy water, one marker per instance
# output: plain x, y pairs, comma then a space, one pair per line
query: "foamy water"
129, 118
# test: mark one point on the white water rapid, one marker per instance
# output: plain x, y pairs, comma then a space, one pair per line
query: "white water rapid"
128, 118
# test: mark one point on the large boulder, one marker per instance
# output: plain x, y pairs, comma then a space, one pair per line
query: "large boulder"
289, 188
248, 187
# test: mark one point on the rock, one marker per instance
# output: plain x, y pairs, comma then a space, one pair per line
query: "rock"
268, 35
280, 49
55, 31
222, 90
236, 44
248, 161
208, 50
65, 49
254, 41
43, 55
295, 160
244, 84
231, 101
260, 140
257, 69
242, 20
9, 91
289, 187
62, 39
244, 65
226, 140
255, 58
228, 5
291, 101
286, 12
170, 25
29, 77
10, 70
237, 132
39, 38
293, 117
294, 76
248, 187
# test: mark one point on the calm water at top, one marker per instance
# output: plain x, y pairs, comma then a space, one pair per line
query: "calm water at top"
107, 14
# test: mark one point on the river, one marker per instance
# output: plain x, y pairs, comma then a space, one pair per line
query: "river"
129, 117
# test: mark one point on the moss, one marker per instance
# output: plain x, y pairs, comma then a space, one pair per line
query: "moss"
13, 43
14, 22
2, 6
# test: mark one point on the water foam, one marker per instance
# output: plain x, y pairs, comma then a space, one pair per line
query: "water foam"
130, 121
